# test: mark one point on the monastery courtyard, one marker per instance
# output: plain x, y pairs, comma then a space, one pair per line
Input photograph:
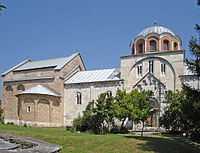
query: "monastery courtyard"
85, 142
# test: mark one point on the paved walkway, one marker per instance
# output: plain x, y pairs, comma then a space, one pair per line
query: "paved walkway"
9, 143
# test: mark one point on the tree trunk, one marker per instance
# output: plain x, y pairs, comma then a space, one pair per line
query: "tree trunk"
142, 128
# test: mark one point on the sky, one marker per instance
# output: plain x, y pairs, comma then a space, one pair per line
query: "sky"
100, 30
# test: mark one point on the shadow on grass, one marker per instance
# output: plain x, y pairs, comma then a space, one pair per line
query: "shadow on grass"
163, 145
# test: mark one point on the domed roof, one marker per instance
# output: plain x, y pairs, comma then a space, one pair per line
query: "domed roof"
155, 29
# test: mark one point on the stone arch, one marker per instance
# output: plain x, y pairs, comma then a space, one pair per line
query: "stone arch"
20, 87
160, 58
168, 40
9, 88
43, 111
140, 46
153, 39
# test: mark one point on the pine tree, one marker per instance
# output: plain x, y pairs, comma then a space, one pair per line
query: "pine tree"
194, 44
1, 7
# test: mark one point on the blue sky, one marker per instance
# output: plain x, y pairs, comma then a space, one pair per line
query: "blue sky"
100, 29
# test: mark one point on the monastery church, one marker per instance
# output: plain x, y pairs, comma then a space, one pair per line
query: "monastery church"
53, 92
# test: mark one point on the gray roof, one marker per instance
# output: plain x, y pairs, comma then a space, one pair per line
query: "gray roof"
57, 63
155, 29
18, 65
40, 89
94, 76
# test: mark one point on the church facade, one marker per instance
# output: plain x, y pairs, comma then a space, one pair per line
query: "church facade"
53, 92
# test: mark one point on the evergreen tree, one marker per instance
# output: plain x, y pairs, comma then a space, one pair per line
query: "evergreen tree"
1, 7
194, 44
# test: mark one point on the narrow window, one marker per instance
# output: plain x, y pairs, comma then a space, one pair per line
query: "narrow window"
151, 66
109, 93
139, 70
78, 98
52, 111
152, 45
28, 109
141, 48
163, 69
175, 46
166, 45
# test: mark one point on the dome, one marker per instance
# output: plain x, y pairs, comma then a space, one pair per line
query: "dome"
155, 29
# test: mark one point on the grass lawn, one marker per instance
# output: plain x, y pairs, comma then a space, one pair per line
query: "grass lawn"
110, 143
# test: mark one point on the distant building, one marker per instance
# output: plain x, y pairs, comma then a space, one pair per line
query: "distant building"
53, 92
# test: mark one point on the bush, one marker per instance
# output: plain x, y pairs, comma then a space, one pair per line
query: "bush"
11, 123
124, 130
25, 125
1, 114
116, 130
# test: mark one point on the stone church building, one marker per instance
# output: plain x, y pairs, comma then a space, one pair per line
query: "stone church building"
53, 92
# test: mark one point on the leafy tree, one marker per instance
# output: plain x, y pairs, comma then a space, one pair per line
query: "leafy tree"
173, 115
141, 106
96, 114
121, 106
191, 113
105, 108
182, 113
1, 114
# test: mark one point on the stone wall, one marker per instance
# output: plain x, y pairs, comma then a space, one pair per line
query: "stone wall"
174, 68
10, 88
89, 92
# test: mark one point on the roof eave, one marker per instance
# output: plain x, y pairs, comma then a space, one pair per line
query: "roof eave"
94, 82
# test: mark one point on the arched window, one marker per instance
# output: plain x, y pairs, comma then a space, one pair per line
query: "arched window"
152, 45
166, 45
109, 93
9, 88
175, 46
140, 48
20, 87
78, 98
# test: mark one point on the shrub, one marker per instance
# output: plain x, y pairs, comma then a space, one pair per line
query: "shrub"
1, 114
25, 125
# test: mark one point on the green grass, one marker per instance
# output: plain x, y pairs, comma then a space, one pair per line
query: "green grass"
110, 143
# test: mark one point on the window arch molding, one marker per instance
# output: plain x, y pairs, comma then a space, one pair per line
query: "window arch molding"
9, 88
20, 87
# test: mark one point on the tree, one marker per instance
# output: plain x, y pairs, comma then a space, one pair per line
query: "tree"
194, 45
1, 7
96, 114
191, 113
173, 118
141, 106
182, 113
121, 106
191, 106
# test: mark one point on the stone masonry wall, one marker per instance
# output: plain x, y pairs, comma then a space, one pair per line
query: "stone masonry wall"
89, 92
